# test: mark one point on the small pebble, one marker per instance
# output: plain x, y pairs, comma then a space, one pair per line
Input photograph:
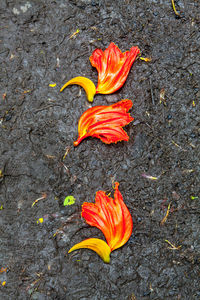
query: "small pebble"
8, 117
192, 135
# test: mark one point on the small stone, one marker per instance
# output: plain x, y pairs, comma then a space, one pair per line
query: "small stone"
16, 11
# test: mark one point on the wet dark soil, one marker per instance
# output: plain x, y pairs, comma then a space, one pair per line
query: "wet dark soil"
38, 124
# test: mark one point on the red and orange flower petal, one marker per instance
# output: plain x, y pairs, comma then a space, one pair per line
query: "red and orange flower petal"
113, 67
105, 122
111, 216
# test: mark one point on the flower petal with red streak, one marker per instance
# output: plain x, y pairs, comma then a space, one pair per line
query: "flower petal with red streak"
111, 216
105, 122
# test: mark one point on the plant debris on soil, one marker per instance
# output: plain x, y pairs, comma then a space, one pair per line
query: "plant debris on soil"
43, 45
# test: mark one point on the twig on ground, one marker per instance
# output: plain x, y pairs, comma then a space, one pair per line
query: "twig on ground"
44, 195
66, 152
173, 247
75, 33
151, 89
166, 216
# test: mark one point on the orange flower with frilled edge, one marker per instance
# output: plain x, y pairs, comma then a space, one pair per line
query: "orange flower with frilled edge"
111, 216
105, 122
113, 67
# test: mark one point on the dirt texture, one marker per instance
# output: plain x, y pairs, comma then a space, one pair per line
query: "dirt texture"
38, 125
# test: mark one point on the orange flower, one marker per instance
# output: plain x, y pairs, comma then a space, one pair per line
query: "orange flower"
111, 216
105, 122
113, 67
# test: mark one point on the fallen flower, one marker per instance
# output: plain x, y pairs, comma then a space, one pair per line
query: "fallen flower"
111, 216
105, 122
97, 245
113, 67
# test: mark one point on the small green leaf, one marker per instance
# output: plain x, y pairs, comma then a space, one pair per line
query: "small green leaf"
69, 200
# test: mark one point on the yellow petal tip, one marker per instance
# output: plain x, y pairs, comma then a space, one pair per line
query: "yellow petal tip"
97, 245
85, 83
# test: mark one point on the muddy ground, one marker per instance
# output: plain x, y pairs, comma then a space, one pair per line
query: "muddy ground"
38, 124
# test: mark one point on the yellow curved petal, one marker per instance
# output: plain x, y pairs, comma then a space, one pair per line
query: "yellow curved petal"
97, 245
86, 83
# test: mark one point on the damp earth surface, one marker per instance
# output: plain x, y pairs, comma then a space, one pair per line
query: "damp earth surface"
44, 44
